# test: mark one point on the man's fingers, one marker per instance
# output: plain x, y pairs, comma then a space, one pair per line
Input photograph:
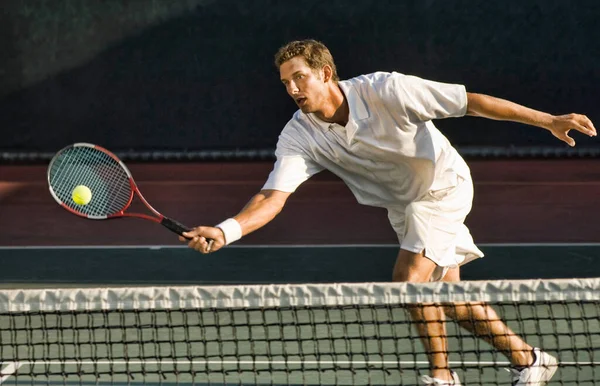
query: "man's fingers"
574, 121
193, 232
568, 140
583, 129
580, 123
201, 239
589, 125
199, 244
187, 236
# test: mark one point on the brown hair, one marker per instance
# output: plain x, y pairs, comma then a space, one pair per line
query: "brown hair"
315, 53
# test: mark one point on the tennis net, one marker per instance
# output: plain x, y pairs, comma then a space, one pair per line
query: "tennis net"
325, 334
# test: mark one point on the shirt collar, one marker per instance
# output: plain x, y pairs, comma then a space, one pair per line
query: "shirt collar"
357, 107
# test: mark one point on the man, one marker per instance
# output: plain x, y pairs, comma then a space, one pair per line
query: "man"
376, 133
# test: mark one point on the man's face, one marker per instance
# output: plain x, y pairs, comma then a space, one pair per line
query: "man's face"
303, 84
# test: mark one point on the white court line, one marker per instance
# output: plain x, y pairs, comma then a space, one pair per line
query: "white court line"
9, 370
12, 367
260, 362
288, 246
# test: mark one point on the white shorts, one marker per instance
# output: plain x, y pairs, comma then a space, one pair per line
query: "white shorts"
435, 224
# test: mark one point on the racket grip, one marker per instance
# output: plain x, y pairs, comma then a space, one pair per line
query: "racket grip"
179, 228
174, 226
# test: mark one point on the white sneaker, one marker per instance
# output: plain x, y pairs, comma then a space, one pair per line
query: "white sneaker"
539, 373
429, 381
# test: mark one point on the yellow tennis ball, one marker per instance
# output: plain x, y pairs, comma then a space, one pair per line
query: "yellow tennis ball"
82, 195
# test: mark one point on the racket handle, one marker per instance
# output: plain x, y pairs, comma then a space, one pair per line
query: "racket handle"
174, 226
179, 228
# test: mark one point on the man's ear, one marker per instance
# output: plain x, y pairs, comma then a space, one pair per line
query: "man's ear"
327, 73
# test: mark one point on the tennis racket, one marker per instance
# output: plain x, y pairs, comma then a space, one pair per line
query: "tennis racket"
109, 184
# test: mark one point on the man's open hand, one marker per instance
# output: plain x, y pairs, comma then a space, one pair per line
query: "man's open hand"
562, 124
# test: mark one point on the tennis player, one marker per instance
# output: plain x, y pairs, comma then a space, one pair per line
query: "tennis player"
376, 133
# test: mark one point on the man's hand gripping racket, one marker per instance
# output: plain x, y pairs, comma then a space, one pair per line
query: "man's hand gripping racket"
91, 182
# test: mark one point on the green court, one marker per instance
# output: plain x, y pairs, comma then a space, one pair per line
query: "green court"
274, 264
329, 354
347, 345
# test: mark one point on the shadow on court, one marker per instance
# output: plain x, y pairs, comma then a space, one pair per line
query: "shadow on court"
247, 265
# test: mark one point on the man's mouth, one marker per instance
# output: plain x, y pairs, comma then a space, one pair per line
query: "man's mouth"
300, 101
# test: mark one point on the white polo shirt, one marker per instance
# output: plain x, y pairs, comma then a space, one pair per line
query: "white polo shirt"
389, 153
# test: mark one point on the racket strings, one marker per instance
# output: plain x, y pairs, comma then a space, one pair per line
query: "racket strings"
105, 178
119, 195
74, 169
113, 179
102, 174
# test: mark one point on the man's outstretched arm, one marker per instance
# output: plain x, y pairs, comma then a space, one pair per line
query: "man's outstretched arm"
480, 105
259, 211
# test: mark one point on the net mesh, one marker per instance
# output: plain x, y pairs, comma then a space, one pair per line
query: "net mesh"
106, 178
337, 334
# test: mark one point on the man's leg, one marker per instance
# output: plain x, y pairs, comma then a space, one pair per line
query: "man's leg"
482, 321
428, 318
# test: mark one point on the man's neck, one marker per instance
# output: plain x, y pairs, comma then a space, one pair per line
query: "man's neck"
336, 109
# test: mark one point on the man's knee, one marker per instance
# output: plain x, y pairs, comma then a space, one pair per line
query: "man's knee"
410, 276
412, 267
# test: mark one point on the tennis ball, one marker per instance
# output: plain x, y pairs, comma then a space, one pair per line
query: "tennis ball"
82, 195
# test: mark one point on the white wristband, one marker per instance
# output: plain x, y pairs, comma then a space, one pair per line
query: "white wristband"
231, 229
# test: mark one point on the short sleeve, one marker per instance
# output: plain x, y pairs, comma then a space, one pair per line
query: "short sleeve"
293, 166
428, 100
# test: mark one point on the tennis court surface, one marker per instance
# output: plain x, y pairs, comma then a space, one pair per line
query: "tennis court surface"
119, 332
267, 264
328, 334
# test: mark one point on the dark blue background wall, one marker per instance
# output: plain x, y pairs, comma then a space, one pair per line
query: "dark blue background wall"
198, 75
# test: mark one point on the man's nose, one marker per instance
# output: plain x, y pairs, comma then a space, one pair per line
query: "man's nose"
292, 89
